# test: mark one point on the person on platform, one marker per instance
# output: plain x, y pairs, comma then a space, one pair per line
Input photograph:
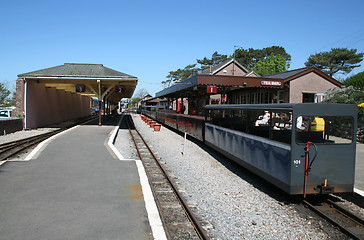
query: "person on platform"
182, 108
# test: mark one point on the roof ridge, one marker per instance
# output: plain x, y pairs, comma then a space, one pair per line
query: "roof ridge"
76, 69
83, 64
297, 69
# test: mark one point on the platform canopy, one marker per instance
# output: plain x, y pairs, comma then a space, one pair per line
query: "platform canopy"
92, 80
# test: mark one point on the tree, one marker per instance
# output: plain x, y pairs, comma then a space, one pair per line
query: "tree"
133, 102
4, 94
271, 64
356, 81
190, 70
337, 60
141, 93
216, 58
174, 76
180, 74
250, 57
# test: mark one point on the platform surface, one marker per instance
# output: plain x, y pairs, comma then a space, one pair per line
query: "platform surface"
74, 189
359, 167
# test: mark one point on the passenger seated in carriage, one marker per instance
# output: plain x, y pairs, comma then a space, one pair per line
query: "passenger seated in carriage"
263, 119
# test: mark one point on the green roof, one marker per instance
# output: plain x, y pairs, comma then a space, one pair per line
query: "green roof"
77, 70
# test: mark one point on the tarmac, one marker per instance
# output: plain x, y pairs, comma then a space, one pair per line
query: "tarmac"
359, 169
74, 189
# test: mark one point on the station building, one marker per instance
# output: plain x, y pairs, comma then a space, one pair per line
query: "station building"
231, 83
70, 91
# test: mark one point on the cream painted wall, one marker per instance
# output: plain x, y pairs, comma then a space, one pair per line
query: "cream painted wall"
49, 105
229, 71
309, 83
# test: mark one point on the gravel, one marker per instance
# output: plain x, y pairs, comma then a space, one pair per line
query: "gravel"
21, 135
231, 202
24, 134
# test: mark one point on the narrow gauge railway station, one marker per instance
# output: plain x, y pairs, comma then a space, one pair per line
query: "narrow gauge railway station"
70, 91
88, 182
77, 187
229, 96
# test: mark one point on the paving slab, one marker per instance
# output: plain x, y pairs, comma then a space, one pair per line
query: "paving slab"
74, 189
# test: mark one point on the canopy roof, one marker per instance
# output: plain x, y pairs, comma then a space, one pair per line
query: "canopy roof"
92, 80
198, 82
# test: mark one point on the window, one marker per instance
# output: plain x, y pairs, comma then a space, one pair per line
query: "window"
257, 98
280, 97
268, 97
319, 97
308, 98
324, 129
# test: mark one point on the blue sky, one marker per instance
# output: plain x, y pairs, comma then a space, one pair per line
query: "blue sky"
147, 39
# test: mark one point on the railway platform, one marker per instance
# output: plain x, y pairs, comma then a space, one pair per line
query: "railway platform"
359, 169
73, 189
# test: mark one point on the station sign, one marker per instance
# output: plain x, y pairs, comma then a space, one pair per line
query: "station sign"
271, 83
119, 89
211, 89
80, 88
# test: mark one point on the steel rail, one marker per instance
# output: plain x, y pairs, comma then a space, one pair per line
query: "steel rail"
198, 228
9, 149
28, 139
355, 224
17, 146
153, 192
347, 213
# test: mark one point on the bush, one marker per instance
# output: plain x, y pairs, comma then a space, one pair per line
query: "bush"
348, 95
356, 81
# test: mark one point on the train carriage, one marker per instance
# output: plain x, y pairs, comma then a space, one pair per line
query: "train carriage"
301, 148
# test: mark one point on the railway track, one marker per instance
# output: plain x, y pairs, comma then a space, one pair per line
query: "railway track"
10, 149
177, 218
348, 222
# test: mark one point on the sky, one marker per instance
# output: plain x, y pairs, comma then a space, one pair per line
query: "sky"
147, 39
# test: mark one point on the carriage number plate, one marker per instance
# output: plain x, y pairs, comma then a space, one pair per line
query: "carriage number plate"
297, 162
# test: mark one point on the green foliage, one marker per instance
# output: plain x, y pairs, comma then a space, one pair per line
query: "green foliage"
190, 70
133, 102
250, 57
356, 81
141, 93
348, 95
4, 94
338, 60
181, 74
216, 58
271, 64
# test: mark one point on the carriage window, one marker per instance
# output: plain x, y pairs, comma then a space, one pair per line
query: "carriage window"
324, 129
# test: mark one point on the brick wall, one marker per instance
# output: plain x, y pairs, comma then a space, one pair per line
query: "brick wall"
19, 97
